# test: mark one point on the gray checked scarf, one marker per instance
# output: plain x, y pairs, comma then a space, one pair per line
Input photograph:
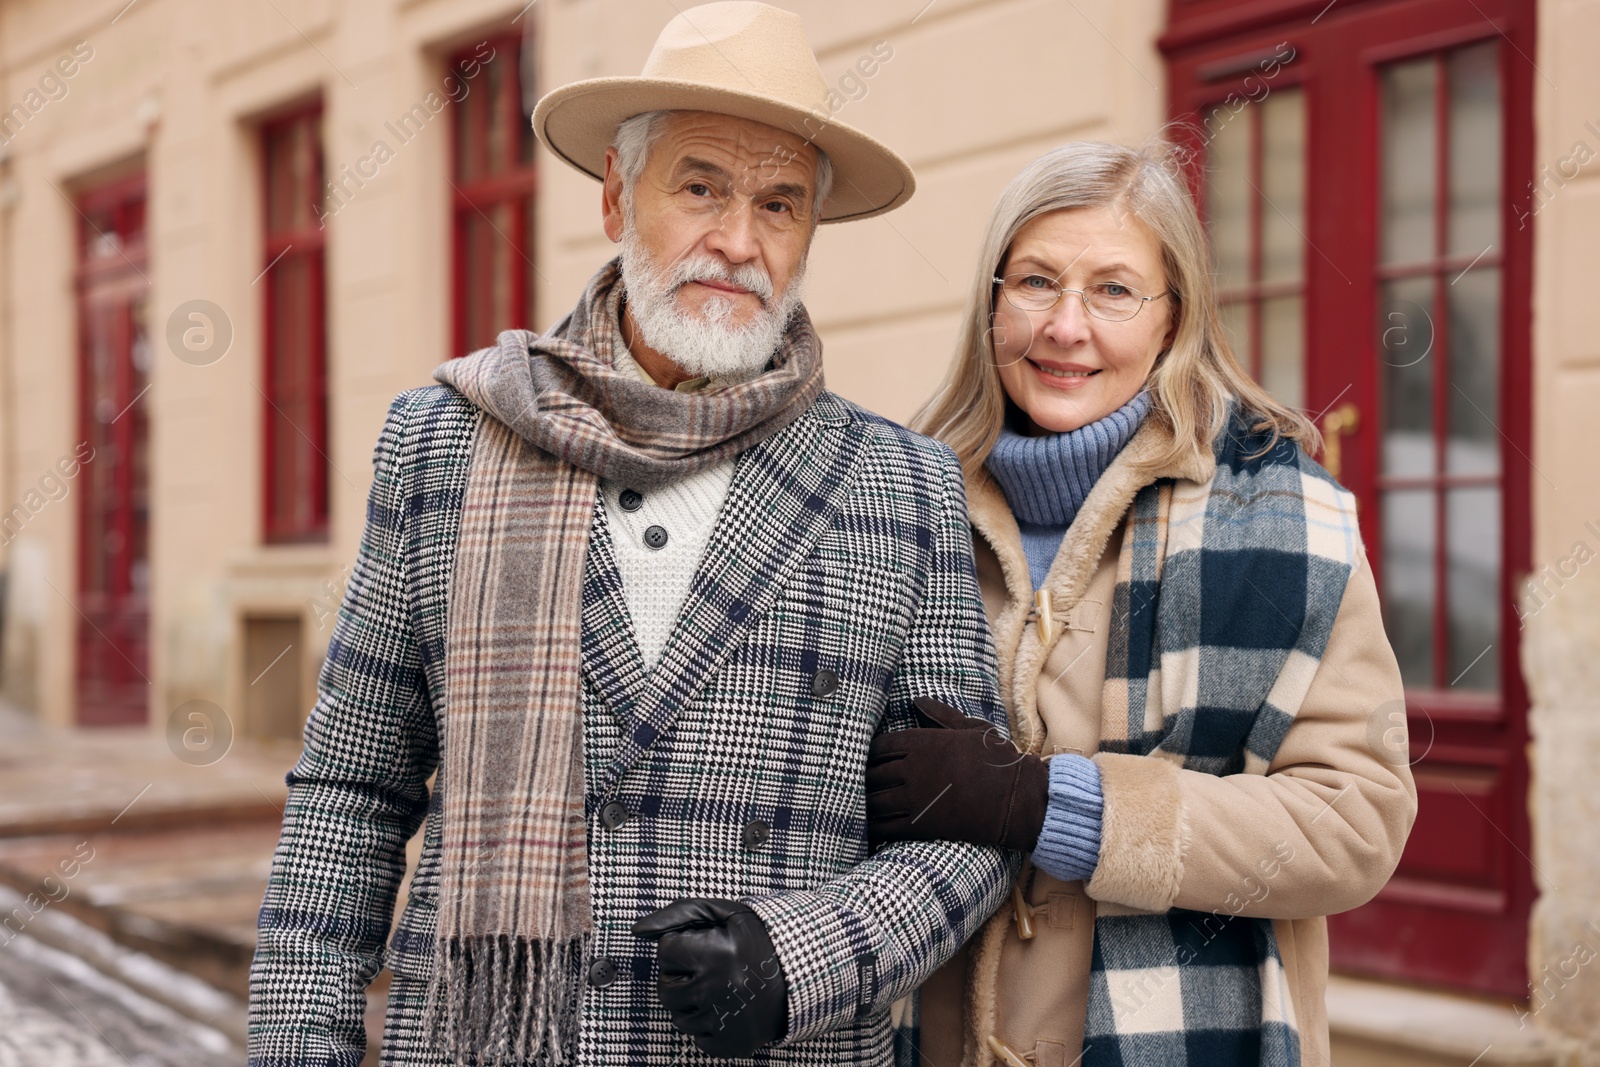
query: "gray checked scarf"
556, 417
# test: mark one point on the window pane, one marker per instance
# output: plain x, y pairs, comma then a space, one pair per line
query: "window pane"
1472, 524
294, 173
528, 81
1408, 587
297, 492
1283, 362
530, 248
100, 392
479, 281
489, 279
500, 83
1409, 144
503, 233
99, 232
1236, 327
1474, 401
1283, 186
1228, 196
472, 116
1474, 148
1405, 343
308, 172
139, 489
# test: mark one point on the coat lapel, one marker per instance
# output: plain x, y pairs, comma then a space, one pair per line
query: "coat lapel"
785, 493
611, 659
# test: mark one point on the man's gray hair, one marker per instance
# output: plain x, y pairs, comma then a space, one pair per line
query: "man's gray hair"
636, 136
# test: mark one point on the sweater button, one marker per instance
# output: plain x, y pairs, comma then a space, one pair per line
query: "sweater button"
823, 683
602, 972
630, 499
656, 537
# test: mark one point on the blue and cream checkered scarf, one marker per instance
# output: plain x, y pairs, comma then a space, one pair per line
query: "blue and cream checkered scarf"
1226, 594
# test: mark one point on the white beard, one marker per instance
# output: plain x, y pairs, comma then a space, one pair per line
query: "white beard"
707, 343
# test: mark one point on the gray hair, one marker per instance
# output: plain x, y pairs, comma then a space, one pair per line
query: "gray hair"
636, 136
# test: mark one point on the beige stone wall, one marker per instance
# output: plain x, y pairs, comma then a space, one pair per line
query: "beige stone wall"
1561, 650
972, 91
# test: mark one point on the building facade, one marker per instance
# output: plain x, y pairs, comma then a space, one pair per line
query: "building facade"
231, 233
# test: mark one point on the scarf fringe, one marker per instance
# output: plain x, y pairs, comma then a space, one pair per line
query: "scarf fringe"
500, 999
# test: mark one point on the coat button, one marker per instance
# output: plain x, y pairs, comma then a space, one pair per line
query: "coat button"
823, 683
614, 814
756, 833
630, 499
656, 537
602, 972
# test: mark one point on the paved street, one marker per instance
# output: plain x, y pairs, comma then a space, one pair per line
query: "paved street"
61, 1012
155, 863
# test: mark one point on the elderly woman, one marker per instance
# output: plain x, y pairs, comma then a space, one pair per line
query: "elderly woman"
1191, 653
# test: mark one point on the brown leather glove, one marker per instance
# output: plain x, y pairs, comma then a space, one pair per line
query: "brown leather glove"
957, 779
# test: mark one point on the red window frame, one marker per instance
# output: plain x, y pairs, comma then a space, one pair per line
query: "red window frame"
1420, 927
294, 496
494, 182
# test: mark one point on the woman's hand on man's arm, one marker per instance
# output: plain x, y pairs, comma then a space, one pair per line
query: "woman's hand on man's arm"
955, 778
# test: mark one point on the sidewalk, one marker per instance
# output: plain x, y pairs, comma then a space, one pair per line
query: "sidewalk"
113, 828
97, 779
71, 997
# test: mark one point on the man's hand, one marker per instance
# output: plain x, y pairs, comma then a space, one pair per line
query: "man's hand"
957, 779
719, 975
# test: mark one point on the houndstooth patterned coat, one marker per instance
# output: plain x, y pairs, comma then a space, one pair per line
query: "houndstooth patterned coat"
844, 588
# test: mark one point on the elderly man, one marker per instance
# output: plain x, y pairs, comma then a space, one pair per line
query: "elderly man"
643, 592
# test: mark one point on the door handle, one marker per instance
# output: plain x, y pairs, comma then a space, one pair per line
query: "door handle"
1335, 424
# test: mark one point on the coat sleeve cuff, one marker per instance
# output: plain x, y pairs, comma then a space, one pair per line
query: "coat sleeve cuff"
1069, 843
825, 981
856, 945
1143, 834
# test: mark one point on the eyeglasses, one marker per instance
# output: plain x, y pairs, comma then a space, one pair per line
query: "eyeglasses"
1103, 300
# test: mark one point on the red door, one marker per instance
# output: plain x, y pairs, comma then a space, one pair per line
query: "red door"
114, 506
1356, 162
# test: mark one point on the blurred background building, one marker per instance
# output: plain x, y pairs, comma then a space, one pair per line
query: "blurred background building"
231, 232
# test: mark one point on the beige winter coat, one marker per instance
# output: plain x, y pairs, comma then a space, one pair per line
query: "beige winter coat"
1319, 833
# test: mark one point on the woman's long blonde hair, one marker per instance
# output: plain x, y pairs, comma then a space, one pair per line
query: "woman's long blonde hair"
1192, 381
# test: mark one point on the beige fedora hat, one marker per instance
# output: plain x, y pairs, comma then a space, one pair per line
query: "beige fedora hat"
738, 58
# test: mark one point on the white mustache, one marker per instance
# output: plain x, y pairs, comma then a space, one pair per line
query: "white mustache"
702, 268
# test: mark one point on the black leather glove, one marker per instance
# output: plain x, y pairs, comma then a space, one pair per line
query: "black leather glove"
720, 977
957, 779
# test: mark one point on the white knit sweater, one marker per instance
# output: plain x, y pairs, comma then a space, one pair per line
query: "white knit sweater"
655, 581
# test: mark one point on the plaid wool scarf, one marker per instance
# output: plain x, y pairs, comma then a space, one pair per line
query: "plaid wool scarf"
556, 416
1226, 595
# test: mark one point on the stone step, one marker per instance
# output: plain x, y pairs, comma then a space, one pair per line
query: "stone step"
187, 895
1379, 1024
72, 782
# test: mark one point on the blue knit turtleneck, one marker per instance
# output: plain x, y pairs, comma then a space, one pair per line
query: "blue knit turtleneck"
1046, 479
